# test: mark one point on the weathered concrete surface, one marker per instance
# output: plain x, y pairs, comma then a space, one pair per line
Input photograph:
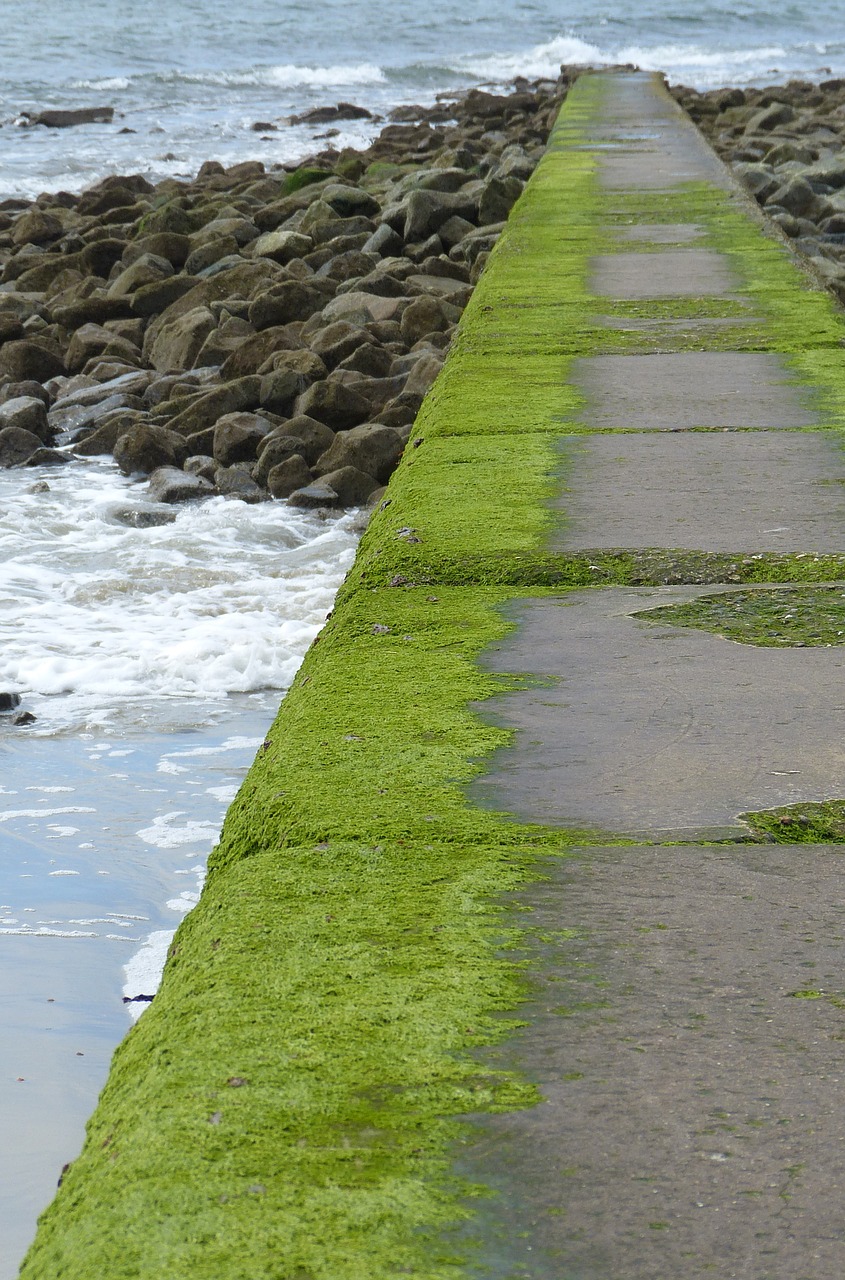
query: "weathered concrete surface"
676, 392
692, 1124
657, 730
686, 1023
738, 491
670, 274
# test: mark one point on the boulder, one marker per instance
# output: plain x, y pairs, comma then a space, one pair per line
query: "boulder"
36, 227
290, 300
292, 475
798, 198
277, 449
237, 436
171, 485
371, 448
338, 406
497, 198
423, 316
148, 269
770, 117
311, 496
26, 359
16, 446
234, 482
314, 437
255, 351
207, 409
426, 211
335, 341
282, 245
106, 434
145, 447
353, 487
178, 343
29, 413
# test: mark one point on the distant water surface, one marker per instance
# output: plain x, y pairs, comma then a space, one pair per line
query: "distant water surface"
189, 79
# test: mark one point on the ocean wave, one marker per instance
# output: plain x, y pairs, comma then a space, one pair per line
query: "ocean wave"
107, 85
285, 76
541, 61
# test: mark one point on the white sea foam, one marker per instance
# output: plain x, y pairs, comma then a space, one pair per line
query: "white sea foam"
166, 833
9, 814
95, 615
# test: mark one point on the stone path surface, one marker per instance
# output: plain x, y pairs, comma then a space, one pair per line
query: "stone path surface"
687, 1015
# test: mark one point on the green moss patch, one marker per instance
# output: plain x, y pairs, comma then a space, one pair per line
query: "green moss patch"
787, 616
822, 823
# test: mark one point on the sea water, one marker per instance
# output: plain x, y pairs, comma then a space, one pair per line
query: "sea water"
189, 79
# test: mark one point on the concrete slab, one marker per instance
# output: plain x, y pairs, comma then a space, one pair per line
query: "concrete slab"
682, 273
660, 232
734, 491
645, 142
690, 389
654, 730
692, 1123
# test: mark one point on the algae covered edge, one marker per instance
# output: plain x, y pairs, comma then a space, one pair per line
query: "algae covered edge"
288, 1105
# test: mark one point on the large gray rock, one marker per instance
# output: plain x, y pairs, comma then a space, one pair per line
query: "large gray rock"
29, 413
257, 350
338, 406
148, 269
293, 372
144, 448
798, 198
207, 409
371, 448
335, 341
770, 117
169, 484
17, 446
318, 494
282, 246
353, 487
234, 482
288, 476
497, 198
426, 211
424, 315
26, 359
290, 300
277, 450
237, 436
349, 202
178, 343
314, 437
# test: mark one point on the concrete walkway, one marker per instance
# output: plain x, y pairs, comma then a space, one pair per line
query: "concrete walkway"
687, 1026
646, 394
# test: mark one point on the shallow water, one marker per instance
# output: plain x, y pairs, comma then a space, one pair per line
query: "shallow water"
153, 660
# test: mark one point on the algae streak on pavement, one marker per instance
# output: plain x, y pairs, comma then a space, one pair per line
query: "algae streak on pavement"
287, 1106
785, 616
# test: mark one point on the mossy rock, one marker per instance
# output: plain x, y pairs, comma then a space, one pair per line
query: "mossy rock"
304, 177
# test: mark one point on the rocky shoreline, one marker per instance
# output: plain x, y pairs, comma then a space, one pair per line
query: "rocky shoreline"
786, 144
258, 334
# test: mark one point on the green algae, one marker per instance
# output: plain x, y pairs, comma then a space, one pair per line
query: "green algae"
821, 823
788, 616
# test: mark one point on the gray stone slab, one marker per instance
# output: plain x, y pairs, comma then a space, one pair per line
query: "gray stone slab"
690, 389
656, 730
645, 142
692, 1124
729, 491
681, 273
660, 232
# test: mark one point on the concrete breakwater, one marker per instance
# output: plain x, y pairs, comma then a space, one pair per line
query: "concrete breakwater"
295, 1101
